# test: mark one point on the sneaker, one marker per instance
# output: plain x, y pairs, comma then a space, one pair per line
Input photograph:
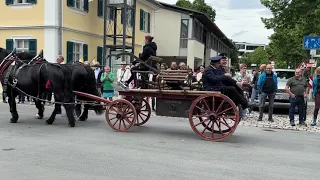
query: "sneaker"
302, 123
314, 122
292, 123
271, 120
260, 119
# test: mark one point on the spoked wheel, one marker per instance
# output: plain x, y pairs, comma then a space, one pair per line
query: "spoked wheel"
121, 115
143, 109
218, 117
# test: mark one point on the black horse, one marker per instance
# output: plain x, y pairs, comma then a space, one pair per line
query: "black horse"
35, 80
83, 79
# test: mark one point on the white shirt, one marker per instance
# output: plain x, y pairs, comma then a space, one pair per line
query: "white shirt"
125, 74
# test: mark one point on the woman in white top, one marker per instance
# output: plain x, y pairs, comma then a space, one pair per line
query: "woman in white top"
199, 75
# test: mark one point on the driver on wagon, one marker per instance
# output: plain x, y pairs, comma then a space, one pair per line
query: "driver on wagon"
215, 79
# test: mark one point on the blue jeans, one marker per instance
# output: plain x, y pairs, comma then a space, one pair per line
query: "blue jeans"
298, 101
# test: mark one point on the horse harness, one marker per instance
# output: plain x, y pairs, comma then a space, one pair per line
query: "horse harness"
12, 69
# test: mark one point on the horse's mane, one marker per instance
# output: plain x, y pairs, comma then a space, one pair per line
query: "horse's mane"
25, 56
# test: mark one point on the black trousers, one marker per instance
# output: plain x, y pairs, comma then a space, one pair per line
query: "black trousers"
236, 96
134, 74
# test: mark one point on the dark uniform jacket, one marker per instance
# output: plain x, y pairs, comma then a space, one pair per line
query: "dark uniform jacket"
214, 79
149, 50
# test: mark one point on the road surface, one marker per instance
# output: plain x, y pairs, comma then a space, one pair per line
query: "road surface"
163, 149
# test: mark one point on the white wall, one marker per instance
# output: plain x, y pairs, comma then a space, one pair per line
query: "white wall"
195, 50
167, 32
209, 53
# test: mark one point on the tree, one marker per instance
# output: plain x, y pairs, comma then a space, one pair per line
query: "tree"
198, 5
291, 21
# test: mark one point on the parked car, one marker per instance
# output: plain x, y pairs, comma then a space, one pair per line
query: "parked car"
281, 100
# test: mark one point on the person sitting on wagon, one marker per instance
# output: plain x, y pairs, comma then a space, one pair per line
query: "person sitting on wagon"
215, 79
149, 49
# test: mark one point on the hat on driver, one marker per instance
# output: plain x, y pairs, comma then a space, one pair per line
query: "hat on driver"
216, 58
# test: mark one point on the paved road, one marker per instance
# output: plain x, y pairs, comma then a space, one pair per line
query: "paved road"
163, 149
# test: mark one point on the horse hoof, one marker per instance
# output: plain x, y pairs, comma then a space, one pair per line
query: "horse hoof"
72, 124
49, 122
82, 119
38, 116
12, 120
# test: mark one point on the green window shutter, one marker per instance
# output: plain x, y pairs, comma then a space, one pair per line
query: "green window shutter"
86, 5
85, 52
122, 15
141, 19
33, 46
70, 3
8, 2
69, 51
148, 23
100, 8
9, 44
32, 1
99, 54
132, 18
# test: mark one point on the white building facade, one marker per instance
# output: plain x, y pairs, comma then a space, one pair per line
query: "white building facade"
188, 36
244, 47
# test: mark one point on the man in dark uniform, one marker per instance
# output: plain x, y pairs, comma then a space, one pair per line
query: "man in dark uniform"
215, 79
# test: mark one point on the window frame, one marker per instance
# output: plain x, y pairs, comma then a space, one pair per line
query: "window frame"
74, 53
145, 21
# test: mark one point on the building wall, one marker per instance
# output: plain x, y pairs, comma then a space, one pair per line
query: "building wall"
167, 39
22, 15
21, 34
195, 50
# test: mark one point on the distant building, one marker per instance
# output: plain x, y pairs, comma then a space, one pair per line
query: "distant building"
244, 47
189, 36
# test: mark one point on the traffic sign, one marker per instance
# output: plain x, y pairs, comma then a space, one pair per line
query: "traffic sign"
311, 42
313, 52
303, 65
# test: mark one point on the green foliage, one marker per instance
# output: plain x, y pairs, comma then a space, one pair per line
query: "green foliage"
198, 5
292, 20
258, 56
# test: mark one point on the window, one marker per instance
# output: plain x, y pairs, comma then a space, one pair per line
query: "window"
20, 1
81, 5
77, 51
144, 21
78, 4
184, 28
22, 45
198, 31
129, 17
252, 47
240, 46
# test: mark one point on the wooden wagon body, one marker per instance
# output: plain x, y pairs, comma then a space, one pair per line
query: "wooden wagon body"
212, 115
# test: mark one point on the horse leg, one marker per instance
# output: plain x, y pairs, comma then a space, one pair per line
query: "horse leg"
40, 107
78, 109
84, 115
13, 109
57, 107
70, 114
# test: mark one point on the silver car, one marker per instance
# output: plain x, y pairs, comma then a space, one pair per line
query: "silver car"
281, 100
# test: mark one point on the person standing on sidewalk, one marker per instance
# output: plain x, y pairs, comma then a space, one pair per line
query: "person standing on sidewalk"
267, 86
297, 88
107, 79
316, 96
255, 82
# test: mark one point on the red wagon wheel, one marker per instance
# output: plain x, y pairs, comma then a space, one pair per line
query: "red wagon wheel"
143, 109
121, 115
218, 117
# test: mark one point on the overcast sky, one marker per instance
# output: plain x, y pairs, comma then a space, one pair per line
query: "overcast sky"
240, 20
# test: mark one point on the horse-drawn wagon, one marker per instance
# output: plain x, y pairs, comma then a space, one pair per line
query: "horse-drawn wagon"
212, 115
